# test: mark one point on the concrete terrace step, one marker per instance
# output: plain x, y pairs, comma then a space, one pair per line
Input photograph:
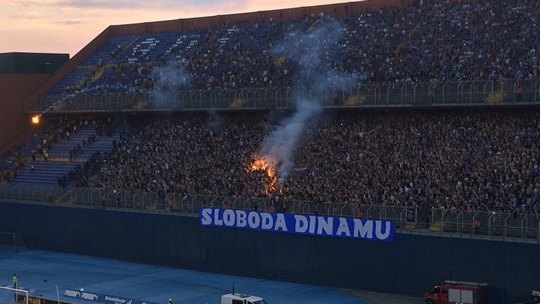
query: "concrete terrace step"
85, 151
25, 182
103, 144
47, 173
47, 164
44, 172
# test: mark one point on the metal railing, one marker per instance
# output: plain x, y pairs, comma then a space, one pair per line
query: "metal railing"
30, 193
435, 94
478, 224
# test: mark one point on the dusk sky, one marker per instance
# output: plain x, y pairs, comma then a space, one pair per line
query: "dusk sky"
66, 26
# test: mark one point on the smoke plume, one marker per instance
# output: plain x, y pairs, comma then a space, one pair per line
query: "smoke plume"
215, 121
169, 80
279, 146
311, 52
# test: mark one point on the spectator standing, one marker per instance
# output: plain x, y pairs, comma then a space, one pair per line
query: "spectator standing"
15, 282
519, 93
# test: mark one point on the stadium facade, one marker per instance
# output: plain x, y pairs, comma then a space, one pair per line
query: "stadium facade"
411, 264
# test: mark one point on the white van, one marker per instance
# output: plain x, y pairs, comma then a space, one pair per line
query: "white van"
238, 298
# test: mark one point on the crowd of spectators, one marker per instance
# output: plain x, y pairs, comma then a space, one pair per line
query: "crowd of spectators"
437, 41
80, 175
481, 160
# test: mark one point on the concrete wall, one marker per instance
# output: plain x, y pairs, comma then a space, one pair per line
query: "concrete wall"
410, 265
31, 63
14, 123
339, 9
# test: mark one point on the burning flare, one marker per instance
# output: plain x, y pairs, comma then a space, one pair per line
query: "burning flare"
35, 119
263, 165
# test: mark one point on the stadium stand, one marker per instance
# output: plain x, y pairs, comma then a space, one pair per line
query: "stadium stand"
439, 41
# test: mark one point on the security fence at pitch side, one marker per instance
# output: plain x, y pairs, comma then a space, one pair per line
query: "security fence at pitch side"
517, 226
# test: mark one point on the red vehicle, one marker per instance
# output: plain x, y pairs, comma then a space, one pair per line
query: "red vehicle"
457, 292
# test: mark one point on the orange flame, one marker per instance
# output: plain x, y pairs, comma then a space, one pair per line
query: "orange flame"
35, 119
261, 164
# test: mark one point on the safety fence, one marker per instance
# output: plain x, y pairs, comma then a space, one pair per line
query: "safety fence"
432, 94
516, 226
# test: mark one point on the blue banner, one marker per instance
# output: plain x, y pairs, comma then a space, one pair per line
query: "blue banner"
377, 230
101, 298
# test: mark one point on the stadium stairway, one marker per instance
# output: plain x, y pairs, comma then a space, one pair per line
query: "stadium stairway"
47, 173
